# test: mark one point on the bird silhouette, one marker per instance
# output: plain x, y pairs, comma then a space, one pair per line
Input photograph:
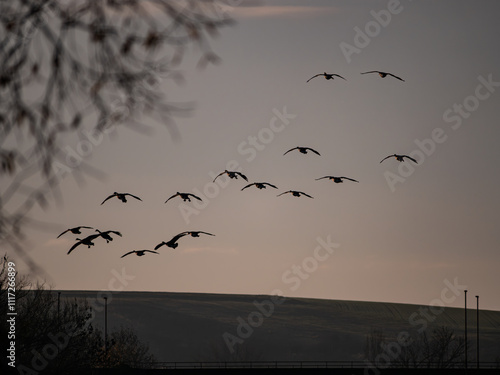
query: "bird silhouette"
106, 235
121, 196
327, 76
197, 233
259, 185
89, 241
139, 253
399, 158
75, 230
302, 150
337, 179
232, 174
173, 242
295, 193
384, 74
184, 196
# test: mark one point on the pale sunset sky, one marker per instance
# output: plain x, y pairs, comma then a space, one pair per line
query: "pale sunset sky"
401, 234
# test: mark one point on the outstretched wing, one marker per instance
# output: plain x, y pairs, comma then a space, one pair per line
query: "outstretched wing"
409, 157
74, 246
111, 196
317, 75
160, 245
173, 196
387, 157
295, 148
92, 237
248, 186
67, 230
336, 75
350, 179
316, 152
133, 196
267, 183
115, 232
242, 176
289, 191
307, 195
371, 71
194, 196
401, 79
329, 177
210, 234
130, 252
220, 174
177, 236
151, 251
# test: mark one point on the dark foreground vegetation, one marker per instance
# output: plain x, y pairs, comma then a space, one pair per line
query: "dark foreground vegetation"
42, 334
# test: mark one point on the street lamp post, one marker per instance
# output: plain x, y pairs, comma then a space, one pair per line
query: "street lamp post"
106, 326
465, 329
477, 331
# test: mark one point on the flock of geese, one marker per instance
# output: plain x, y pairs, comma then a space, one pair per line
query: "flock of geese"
333, 75
186, 197
89, 240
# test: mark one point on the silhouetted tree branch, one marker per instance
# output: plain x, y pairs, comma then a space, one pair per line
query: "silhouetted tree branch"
69, 68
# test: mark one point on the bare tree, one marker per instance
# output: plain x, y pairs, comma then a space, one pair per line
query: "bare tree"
126, 349
69, 68
374, 345
442, 349
53, 337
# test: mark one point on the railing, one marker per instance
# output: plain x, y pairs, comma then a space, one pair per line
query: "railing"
300, 364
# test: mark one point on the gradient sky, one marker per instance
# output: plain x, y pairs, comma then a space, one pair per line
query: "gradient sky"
438, 222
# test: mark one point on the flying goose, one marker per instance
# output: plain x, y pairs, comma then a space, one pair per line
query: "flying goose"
337, 179
384, 74
259, 185
106, 235
327, 76
121, 196
173, 242
139, 253
197, 233
85, 241
399, 158
184, 196
75, 230
302, 150
232, 174
295, 193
